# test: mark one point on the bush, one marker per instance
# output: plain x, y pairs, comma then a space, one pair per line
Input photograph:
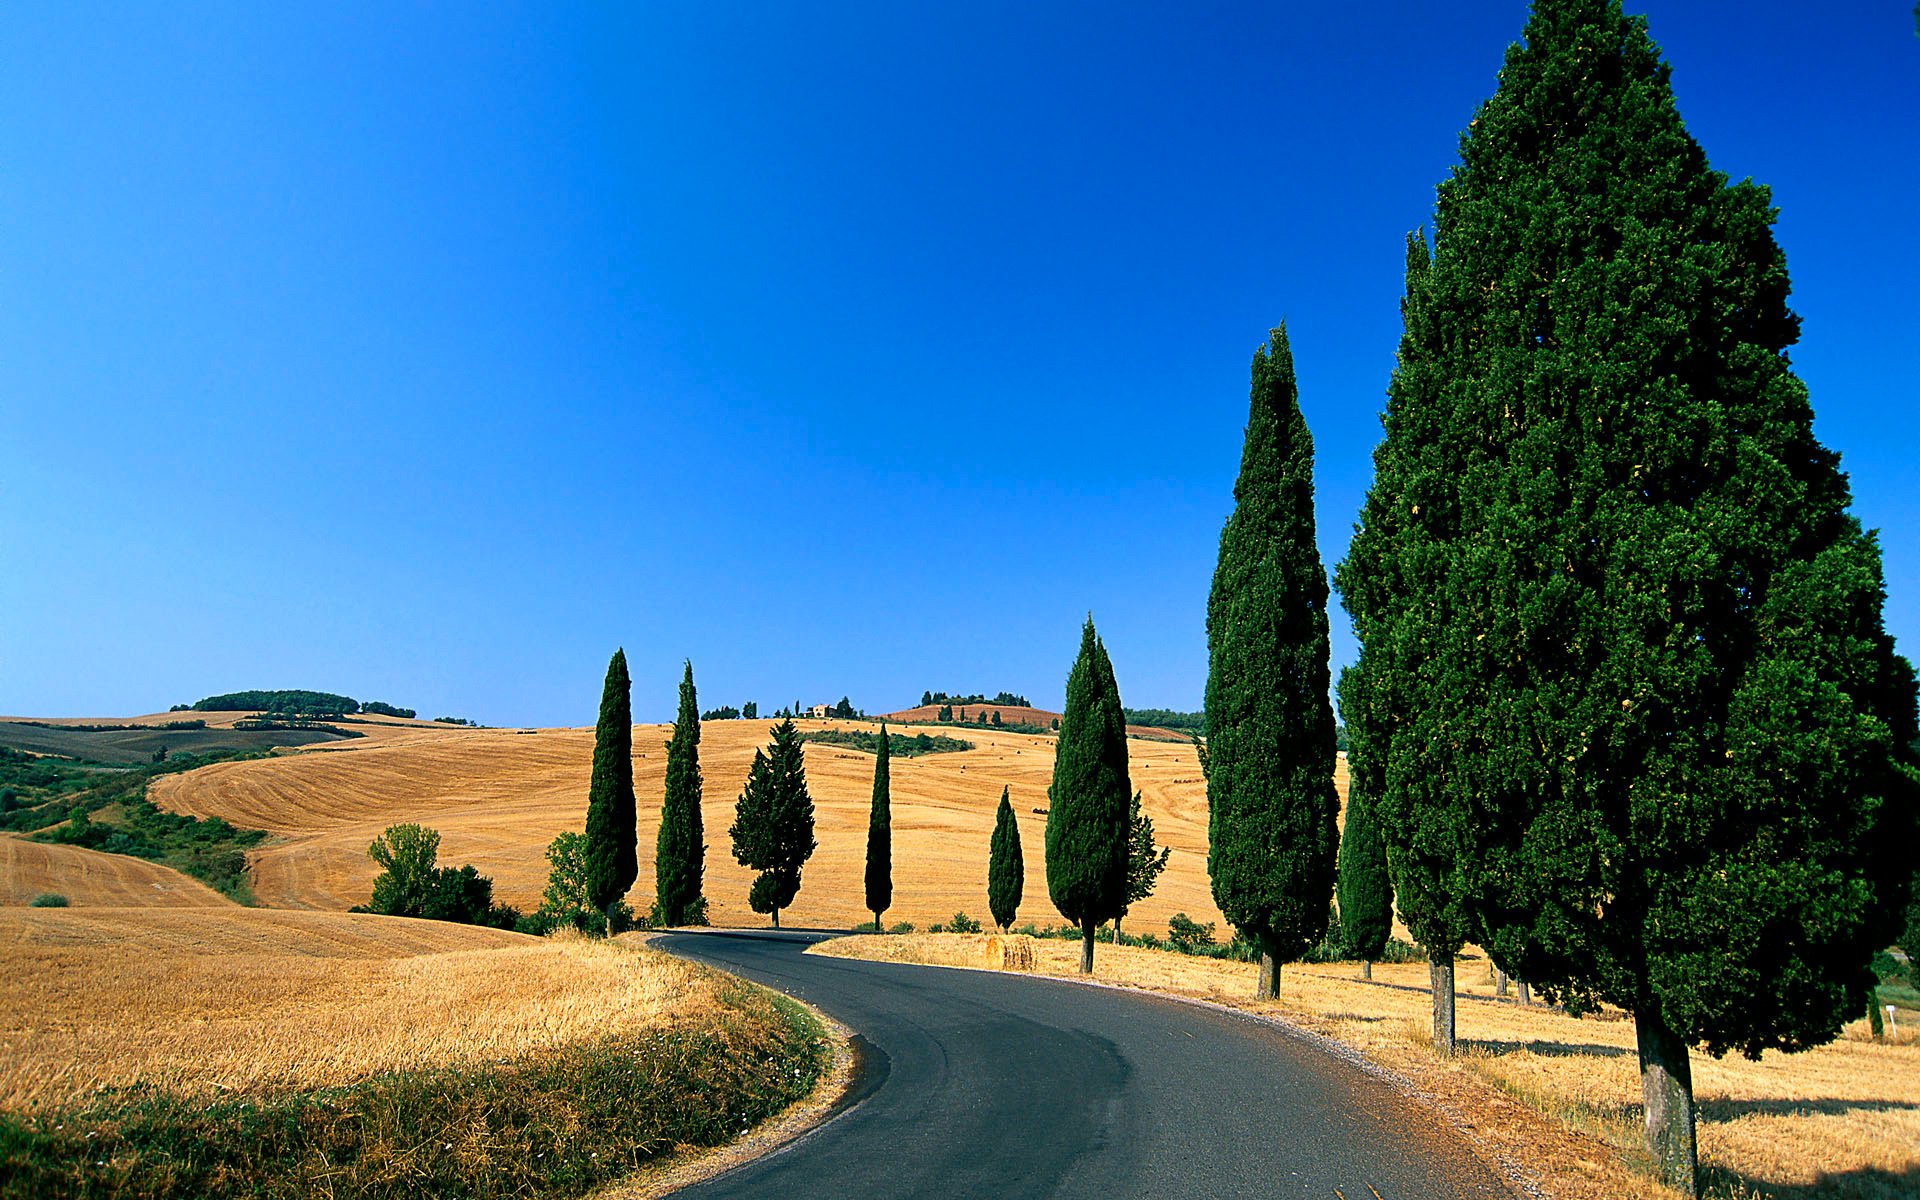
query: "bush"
1187, 935
902, 927
962, 923
48, 900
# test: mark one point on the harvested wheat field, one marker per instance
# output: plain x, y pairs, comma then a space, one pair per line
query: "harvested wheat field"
1558, 1095
248, 1000
90, 878
498, 797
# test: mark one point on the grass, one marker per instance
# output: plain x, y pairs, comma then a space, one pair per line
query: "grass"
499, 796
1559, 1094
554, 1121
88, 878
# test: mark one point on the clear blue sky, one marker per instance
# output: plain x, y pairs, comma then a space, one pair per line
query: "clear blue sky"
428, 353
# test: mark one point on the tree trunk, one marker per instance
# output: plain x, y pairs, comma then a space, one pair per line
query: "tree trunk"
1269, 986
1499, 982
877, 926
1366, 969
1526, 992
1116, 930
1666, 1086
1086, 947
1440, 971
776, 918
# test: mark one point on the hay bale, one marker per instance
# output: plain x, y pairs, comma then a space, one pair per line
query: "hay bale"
1011, 952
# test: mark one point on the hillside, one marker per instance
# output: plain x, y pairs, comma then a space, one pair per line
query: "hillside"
499, 796
1011, 714
91, 879
138, 739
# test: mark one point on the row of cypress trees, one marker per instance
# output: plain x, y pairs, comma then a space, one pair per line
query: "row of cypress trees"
1625, 712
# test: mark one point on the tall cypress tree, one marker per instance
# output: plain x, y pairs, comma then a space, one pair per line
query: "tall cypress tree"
1361, 885
1273, 812
1087, 801
880, 835
679, 858
772, 829
613, 834
1663, 703
1006, 869
1399, 695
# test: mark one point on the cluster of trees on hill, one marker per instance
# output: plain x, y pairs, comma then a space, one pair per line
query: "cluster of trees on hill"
749, 711
1004, 699
1167, 718
293, 702
382, 708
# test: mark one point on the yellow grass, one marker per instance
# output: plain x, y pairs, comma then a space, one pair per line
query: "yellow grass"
498, 797
235, 999
91, 878
1842, 1120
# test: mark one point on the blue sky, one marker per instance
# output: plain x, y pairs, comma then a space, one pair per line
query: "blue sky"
428, 353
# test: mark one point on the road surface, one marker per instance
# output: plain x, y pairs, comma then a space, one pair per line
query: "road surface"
982, 1084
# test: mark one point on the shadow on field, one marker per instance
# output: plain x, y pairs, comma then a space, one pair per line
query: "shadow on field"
1866, 1182
1733, 1110
1493, 1049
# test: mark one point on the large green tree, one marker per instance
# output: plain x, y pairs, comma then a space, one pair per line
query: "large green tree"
1087, 801
613, 834
1398, 696
1658, 696
1363, 888
1273, 813
680, 851
880, 834
1006, 868
772, 828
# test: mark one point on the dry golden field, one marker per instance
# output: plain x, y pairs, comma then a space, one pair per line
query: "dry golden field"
89, 878
241, 1000
498, 797
1839, 1121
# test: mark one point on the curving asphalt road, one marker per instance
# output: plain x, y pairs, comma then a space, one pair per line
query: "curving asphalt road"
979, 1084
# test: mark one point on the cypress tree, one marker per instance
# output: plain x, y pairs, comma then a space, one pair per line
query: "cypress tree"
880, 836
1006, 869
1397, 697
1361, 885
1654, 684
679, 858
1087, 801
1273, 812
613, 834
772, 828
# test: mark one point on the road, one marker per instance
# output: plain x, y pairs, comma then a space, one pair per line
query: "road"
981, 1084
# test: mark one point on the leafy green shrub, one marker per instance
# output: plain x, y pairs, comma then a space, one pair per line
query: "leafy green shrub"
1187, 935
48, 900
902, 927
410, 885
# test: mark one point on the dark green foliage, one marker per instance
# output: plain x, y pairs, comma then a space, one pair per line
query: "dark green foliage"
557, 1123
293, 703
1186, 933
1009, 699
725, 712
679, 860
411, 885
945, 713
1088, 799
1145, 861
452, 721
48, 900
1273, 817
750, 711
1634, 638
1365, 892
1167, 718
844, 709
880, 834
996, 717
382, 708
1006, 867
772, 828
612, 824
898, 745
568, 898
961, 923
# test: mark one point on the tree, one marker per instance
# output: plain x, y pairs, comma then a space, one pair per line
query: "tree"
1006, 869
844, 708
568, 899
926, 698
1145, 861
613, 834
679, 859
1648, 690
406, 854
880, 834
772, 829
1361, 885
945, 713
996, 717
1273, 812
1087, 801
750, 710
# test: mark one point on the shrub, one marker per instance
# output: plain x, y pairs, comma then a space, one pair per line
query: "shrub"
48, 900
1187, 935
961, 923
902, 927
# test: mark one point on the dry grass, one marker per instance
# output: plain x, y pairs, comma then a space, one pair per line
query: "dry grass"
1839, 1121
246, 1000
498, 797
89, 878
